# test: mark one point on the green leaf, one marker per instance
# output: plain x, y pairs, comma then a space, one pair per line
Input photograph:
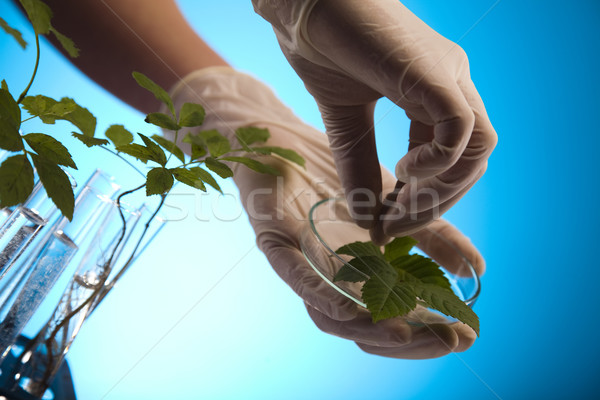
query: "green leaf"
287, 154
156, 153
162, 120
14, 33
170, 147
57, 185
140, 152
198, 146
218, 167
3, 85
89, 141
118, 135
50, 148
188, 177
446, 302
191, 114
399, 247
250, 134
216, 143
66, 43
422, 269
253, 165
39, 14
360, 249
16, 180
206, 177
152, 87
10, 121
386, 299
159, 181
79, 116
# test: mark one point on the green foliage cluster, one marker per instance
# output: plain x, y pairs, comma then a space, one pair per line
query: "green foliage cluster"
395, 281
49, 156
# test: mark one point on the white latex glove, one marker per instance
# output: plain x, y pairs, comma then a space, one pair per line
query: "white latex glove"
278, 207
349, 53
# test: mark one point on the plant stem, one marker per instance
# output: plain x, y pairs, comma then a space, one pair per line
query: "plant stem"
37, 63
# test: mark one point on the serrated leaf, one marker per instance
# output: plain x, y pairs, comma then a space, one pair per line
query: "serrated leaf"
155, 152
251, 134
4, 85
253, 165
399, 247
14, 33
138, 151
422, 269
287, 154
89, 141
16, 180
446, 302
10, 121
191, 115
51, 149
66, 43
158, 181
170, 147
197, 145
218, 167
206, 177
39, 14
57, 185
80, 116
162, 120
360, 249
386, 299
216, 143
187, 177
368, 262
119, 135
152, 87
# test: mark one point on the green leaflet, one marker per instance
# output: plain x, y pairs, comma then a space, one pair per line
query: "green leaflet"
16, 180
206, 177
162, 121
287, 154
253, 165
160, 93
218, 167
51, 149
156, 154
191, 115
66, 43
187, 177
170, 147
57, 185
39, 14
10, 121
216, 143
250, 135
14, 33
89, 141
119, 135
395, 280
159, 181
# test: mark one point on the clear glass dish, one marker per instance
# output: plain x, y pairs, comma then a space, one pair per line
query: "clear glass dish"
330, 226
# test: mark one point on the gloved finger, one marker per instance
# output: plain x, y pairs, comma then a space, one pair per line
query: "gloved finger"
352, 142
441, 236
453, 122
479, 147
291, 266
397, 219
389, 332
429, 341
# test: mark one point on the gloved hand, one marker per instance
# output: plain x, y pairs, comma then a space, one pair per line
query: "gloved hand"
349, 53
278, 207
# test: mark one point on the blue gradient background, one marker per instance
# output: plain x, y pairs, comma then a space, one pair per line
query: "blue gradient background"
181, 328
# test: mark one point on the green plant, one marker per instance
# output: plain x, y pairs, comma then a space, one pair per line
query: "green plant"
395, 281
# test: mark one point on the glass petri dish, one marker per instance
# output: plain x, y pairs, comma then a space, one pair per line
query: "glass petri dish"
330, 226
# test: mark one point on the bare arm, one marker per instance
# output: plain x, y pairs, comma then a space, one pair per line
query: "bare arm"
117, 37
